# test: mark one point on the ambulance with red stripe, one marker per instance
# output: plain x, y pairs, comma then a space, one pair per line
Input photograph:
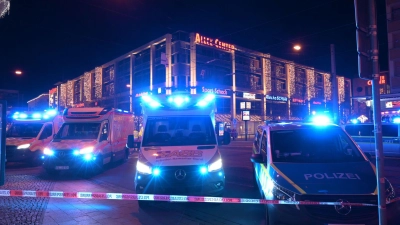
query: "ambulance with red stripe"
88, 139
179, 152
28, 134
316, 161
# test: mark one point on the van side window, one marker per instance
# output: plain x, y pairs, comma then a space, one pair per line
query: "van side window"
264, 144
47, 132
257, 140
104, 132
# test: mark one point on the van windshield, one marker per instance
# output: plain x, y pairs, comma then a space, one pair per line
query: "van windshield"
78, 131
179, 131
314, 145
29, 130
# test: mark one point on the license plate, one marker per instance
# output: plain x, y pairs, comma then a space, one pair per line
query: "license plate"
62, 167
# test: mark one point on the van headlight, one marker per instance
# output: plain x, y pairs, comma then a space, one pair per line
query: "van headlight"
143, 168
24, 146
86, 150
48, 151
216, 165
389, 191
281, 193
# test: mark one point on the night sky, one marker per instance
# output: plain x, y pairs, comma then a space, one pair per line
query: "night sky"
55, 40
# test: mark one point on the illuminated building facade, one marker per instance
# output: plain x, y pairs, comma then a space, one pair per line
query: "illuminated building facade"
276, 88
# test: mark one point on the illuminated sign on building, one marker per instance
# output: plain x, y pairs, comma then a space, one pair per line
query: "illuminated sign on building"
382, 80
213, 42
298, 100
214, 91
393, 104
249, 96
276, 98
316, 102
141, 94
245, 115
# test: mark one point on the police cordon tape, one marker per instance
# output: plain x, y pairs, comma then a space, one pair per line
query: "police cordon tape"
167, 198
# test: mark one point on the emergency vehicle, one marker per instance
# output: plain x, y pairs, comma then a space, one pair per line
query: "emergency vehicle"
88, 139
179, 151
315, 162
28, 134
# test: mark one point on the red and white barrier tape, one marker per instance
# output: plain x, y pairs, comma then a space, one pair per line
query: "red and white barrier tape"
168, 198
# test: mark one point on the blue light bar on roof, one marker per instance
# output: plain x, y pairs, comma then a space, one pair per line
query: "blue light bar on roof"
205, 101
150, 101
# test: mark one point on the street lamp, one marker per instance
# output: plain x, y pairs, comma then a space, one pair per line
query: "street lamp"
297, 47
18, 72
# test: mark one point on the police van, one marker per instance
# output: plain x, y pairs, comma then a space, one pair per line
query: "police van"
363, 134
88, 139
28, 134
297, 161
179, 151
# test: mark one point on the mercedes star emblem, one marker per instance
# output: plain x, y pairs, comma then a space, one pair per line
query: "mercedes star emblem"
180, 174
343, 209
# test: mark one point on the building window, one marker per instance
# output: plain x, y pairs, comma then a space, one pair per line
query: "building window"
223, 105
108, 81
123, 76
397, 68
396, 40
77, 91
395, 14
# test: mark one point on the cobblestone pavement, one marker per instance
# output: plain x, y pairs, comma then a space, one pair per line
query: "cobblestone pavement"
23, 210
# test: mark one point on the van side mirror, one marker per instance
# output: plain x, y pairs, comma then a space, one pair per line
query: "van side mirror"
130, 141
256, 158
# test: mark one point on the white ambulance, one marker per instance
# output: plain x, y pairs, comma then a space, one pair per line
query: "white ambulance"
88, 139
28, 134
179, 151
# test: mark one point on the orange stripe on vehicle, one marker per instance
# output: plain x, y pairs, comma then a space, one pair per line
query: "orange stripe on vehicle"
288, 180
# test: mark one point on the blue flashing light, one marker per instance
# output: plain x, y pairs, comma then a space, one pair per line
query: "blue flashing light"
396, 120
354, 121
15, 116
321, 120
206, 100
42, 156
153, 103
37, 116
220, 174
46, 116
156, 171
76, 152
23, 116
139, 177
210, 97
203, 170
88, 157
51, 112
